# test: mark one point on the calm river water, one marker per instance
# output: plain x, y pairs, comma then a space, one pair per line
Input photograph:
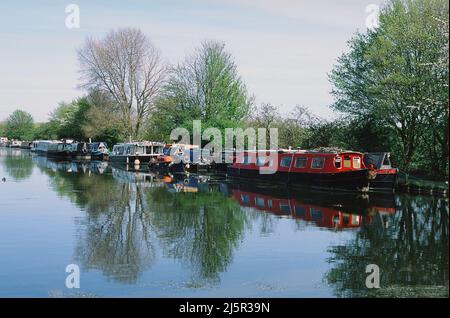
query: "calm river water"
134, 234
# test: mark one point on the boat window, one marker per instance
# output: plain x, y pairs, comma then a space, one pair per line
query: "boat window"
246, 160
318, 163
300, 162
347, 162
148, 150
386, 161
356, 162
286, 161
338, 162
300, 211
355, 219
316, 214
261, 161
245, 199
270, 204
285, 208
259, 202
346, 219
142, 150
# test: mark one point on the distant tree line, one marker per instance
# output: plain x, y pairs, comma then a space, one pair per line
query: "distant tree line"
390, 90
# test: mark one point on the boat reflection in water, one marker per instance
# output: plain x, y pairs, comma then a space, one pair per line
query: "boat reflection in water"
96, 167
321, 209
186, 183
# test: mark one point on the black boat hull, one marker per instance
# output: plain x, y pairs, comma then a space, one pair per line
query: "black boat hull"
383, 183
347, 181
59, 155
131, 159
100, 157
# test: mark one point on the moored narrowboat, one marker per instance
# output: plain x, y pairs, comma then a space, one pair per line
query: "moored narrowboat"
24, 144
34, 146
3, 141
136, 153
60, 150
80, 151
182, 158
44, 146
386, 177
99, 151
15, 144
338, 170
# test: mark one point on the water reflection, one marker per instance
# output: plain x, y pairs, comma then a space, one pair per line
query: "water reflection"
197, 224
201, 221
17, 163
411, 251
336, 211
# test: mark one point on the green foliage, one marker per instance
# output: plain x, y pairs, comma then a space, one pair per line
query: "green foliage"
394, 82
2, 129
205, 87
407, 246
20, 125
46, 131
67, 120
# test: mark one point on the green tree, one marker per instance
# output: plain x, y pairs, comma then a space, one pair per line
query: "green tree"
103, 120
67, 120
46, 131
206, 87
2, 129
393, 75
20, 125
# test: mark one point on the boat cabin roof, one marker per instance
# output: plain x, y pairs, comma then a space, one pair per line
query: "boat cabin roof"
142, 144
305, 152
184, 146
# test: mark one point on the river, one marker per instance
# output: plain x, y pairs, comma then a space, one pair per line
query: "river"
136, 234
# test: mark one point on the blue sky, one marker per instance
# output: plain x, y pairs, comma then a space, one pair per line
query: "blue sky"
283, 49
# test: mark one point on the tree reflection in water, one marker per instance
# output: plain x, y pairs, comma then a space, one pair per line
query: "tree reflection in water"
114, 237
118, 240
410, 248
202, 229
18, 165
129, 215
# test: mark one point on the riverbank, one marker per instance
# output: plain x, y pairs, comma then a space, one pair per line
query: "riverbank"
411, 292
410, 184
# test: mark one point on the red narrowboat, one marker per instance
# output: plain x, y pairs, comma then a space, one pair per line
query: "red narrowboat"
386, 177
339, 170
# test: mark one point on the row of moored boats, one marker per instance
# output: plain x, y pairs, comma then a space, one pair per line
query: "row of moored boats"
324, 168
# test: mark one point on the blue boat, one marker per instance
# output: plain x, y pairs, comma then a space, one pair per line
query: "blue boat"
99, 151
